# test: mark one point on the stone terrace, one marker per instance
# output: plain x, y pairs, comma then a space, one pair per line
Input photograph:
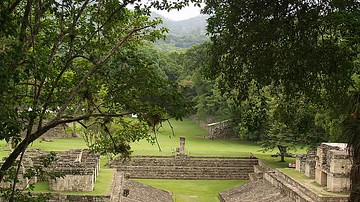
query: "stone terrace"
80, 168
183, 167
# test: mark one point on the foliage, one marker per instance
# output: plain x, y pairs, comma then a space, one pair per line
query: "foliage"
351, 130
252, 115
115, 137
291, 122
210, 104
306, 49
304, 46
75, 61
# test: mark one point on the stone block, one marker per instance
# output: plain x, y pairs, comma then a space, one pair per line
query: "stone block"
320, 176
338, 183
310, 168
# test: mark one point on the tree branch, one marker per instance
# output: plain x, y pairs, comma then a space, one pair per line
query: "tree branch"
13, 6
30, 138
76, 89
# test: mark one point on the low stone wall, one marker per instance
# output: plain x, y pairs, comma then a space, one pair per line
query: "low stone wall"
79, 198
151, 167
220, 130
77, 182
80, 169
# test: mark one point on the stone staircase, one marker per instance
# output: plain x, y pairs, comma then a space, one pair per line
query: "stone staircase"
259, 170
290, 187
257, 174
220, 168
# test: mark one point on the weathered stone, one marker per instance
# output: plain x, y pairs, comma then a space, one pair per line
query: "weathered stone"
187, 167
220, 130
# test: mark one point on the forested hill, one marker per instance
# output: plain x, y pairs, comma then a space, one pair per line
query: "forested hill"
183, 34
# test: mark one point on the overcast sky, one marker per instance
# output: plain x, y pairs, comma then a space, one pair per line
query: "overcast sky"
185, 13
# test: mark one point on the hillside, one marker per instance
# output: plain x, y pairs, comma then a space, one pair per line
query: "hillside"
182, 34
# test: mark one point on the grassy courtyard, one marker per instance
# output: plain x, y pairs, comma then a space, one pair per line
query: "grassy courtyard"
196, 145
193, 190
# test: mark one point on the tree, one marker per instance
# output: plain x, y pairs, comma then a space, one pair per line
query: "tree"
251, 116
351, 130
291, 123
73, 61
308, 48
210, 105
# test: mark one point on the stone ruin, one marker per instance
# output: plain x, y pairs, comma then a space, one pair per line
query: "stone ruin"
80, 168
221, 130
180, 151
305, 163
329, 166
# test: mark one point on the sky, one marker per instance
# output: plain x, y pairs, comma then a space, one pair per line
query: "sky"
183, 14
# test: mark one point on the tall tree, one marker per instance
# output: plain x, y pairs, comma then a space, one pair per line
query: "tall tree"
306, 47
69, 61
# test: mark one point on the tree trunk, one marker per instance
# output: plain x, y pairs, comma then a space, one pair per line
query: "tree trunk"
22, 146
351, 130
282, 150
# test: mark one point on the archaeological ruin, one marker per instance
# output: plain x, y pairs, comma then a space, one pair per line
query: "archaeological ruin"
223, 129
329, 166
79, 167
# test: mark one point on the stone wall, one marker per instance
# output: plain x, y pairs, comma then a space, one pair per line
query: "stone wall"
79, 198
333, 166
180, 167
310, 166
300, 162
80, 169
220, 130
77, 182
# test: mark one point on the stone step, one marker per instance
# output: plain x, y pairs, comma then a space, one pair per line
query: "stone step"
186, 172
290, 189
259, 169
186, 168
254, 177
199, 162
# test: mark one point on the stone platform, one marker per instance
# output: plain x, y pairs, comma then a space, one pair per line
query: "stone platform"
185, 167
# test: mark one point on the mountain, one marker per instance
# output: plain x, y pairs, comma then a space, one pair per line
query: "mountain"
182, 34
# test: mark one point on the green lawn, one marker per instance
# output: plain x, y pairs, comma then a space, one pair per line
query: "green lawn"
197, 145
193, 190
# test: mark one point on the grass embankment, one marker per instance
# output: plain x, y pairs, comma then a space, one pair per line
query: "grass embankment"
196, 145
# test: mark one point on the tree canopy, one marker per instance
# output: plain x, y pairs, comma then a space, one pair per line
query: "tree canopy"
297, 49
302, 46
77, 61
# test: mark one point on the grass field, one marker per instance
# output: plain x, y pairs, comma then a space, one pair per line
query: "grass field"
193, 190
196, 145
